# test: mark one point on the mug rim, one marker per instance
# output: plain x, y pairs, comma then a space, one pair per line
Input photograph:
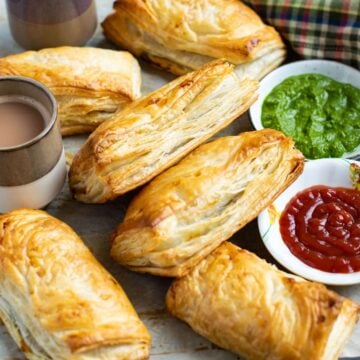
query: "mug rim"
53, 114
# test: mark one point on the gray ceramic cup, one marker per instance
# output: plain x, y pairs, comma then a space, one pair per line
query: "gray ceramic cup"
32, 173
37, 24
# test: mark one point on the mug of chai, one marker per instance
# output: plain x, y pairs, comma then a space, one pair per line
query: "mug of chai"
32, 159
37, 24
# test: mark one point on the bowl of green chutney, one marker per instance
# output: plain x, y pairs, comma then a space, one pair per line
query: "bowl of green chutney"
317, 103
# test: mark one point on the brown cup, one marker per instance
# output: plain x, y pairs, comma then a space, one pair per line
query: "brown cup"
32, 173
37, 24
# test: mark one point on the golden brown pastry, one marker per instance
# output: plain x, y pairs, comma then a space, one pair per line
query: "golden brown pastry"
245, 305
89, 84
156, 131
56, 300
182, 35
190, 209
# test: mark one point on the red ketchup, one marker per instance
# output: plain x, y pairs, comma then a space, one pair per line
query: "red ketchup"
321, 227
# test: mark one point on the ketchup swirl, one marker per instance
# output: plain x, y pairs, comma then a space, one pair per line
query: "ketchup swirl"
321, 226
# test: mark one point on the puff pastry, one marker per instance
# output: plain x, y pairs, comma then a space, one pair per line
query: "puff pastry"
56, 300
89, 84
245, 305
154, 132
190, 209
182, 35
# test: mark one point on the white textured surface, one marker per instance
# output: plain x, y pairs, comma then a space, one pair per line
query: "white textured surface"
94, 223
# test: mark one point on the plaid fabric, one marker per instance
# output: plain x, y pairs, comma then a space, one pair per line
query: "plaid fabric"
326, 29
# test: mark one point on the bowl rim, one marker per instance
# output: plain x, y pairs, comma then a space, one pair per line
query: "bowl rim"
255, 108
274, 243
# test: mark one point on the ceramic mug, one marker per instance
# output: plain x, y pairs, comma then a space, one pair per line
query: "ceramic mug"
37, 24
34, 172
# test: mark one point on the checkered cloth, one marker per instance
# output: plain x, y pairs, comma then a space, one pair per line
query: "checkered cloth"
326, 29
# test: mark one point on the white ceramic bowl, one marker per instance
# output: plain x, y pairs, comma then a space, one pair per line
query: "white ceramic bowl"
330, 172
332, 69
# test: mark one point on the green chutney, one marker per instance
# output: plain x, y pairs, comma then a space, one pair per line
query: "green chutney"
319, 113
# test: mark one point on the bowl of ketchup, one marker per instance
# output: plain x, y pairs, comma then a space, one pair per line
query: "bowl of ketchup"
313, 227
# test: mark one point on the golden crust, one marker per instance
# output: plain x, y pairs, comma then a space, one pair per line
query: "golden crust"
245, 305
156, 131
191, 208
81, 114
180, 36
56, 300
90, 84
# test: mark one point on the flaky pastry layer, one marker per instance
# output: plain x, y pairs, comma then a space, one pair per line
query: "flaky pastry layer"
90, 84
156, 131
190, 209
181, 36
243, 304
57, 301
